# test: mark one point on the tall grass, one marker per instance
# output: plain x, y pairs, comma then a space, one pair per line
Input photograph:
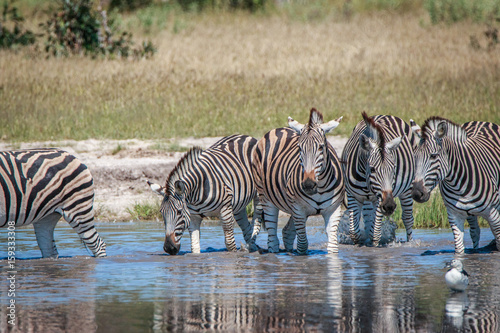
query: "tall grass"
431, 214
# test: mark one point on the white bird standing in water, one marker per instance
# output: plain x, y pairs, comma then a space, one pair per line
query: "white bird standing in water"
456, 277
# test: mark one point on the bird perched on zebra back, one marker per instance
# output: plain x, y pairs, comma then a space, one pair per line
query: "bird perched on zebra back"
214, 182
379, 166
296, 170
456, 277
38, 186
464, 160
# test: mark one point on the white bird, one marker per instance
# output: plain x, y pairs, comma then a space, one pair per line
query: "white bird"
456, 277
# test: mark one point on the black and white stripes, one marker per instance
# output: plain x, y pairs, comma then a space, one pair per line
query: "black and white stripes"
39, 186
297, 171
379, 166
212, 182
465, 162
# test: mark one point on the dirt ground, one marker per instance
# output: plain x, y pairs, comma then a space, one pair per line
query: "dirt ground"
121, 168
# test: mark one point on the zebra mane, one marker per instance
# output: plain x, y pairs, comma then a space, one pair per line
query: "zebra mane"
375, 132
431, 124
315, 118
184, 163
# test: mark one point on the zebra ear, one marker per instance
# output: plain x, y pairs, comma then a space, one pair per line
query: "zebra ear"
295, 125
415, 128
441, 130
158, 189
394, 143
331, 125
180, 187
364, 142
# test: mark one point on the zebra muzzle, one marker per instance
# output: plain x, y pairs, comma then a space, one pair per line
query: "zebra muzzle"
419, 192
309, 186
170, 246
387, 205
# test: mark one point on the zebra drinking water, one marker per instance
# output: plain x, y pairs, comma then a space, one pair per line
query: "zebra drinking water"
38, 186
213, 182
465, 162
296, 170
379, 166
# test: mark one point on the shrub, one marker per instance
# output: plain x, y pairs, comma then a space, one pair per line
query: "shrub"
16, 36
77, 28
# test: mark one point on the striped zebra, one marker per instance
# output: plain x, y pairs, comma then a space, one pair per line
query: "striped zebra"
41, 185
297, 171
213, 182
465, 162
379, 166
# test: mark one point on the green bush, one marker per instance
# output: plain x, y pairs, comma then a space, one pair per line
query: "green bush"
76, 28
16, 35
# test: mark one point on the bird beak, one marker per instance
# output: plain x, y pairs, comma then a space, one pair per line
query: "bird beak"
448, 265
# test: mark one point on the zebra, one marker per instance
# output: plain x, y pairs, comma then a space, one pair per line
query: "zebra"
465, 162
38, 186
378, 167
206, 183
296, 170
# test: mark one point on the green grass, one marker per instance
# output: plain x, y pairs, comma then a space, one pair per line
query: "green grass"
431, 214
146, 211
233, 72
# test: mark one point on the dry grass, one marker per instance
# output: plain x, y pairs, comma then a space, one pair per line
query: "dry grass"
220, 74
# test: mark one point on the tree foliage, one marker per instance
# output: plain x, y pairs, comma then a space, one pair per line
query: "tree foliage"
11, 28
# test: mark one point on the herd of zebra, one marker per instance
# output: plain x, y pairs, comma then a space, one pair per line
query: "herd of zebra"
294, 170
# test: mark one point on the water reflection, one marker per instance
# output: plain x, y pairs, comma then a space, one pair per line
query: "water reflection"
362, 289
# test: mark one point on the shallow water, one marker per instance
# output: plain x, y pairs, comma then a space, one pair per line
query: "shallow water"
138, 288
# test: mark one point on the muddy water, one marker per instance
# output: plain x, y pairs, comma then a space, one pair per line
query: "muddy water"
139, 289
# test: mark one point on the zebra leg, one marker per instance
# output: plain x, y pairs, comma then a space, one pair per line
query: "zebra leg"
457, 226
258, 218
354, 208
194, 233
289, 235
377, 226
474, 230
44, 231
228, 220
271, 224
368, 213
494, 222
81, 219
300, 229
407, 213
247, 229
332, 220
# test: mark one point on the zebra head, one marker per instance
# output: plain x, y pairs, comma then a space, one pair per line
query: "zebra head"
175, 216
313, 148
431, 161
380, 163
